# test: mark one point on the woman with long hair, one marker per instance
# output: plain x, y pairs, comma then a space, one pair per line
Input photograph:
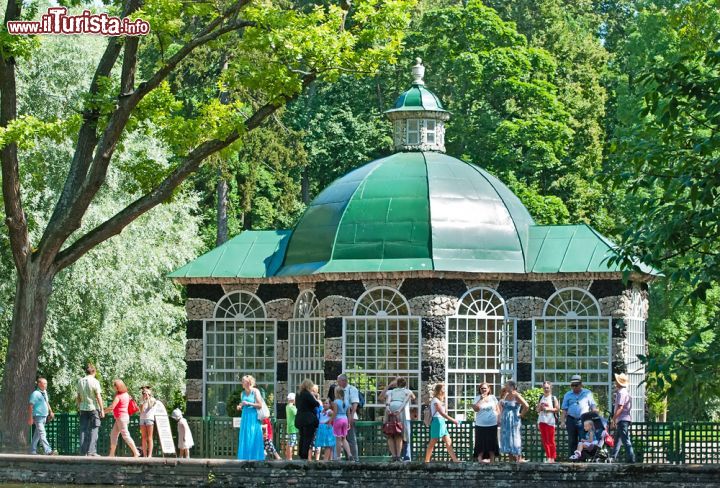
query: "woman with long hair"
438, 425
147, 420
251, 446
513, 408
547, 409
306, 419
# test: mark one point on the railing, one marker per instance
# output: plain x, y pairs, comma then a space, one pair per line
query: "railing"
672, 442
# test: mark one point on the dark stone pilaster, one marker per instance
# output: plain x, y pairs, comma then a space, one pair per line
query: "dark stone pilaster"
282, 371
208, 292
433, 371
524, 372
282, 330
194, 370
333, 327
194, 329
619, 331
332, 370
524, 330
415, 287
512, 289
193, 409
351, 289
607, 288
433, 327
267, 292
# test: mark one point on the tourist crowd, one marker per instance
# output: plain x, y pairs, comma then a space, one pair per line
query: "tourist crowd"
326, 427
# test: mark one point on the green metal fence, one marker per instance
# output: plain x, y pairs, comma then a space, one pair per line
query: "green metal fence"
215, 437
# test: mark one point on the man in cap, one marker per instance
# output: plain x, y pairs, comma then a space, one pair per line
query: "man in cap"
622, 406
575, 403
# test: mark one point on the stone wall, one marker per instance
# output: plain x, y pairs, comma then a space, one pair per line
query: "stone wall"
73, 470
433, 299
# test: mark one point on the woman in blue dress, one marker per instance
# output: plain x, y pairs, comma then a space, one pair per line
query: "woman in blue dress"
513, 407
250, 439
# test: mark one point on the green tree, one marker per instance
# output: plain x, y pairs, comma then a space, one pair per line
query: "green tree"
278, 51
666, 147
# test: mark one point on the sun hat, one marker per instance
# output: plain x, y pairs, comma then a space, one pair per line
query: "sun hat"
176, 414
576, 379
291, 396
622, 379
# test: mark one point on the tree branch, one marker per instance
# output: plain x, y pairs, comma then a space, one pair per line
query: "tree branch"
12, 196
60, 226
96, 153
163, 191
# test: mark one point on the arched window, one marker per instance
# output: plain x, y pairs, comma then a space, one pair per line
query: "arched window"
239, 340
306, 305
481, 347
382, 301
306, 342
381, 341
481, 302
571, 302
573, 338
240, 305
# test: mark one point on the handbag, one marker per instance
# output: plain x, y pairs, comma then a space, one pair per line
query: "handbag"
392, 426
133, 407
263, 412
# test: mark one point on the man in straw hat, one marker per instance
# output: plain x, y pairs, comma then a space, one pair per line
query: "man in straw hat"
622, 406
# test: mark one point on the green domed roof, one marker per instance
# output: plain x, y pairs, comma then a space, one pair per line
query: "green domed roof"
417, 98
411, 211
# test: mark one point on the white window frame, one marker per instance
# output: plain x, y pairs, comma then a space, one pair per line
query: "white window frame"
240, 305
414, 132
306, 342
234, 365
635, 327
481, 312
364, 351
430, 132
579, 311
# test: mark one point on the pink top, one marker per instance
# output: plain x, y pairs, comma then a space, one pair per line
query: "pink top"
121, 409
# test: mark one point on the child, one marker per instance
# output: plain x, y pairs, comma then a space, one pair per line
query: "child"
267, 439
340, 424
324, 439
292, 431
587, 445
185, 439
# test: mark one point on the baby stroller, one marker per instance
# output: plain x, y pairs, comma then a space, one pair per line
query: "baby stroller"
599, 452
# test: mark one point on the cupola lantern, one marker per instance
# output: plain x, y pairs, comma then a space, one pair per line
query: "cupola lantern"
418, 117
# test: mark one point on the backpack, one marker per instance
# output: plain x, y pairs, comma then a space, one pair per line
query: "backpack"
554, 400
427, 416
361, 397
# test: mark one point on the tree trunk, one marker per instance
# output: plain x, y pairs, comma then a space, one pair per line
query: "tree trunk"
29, 316
222, 219
305, 186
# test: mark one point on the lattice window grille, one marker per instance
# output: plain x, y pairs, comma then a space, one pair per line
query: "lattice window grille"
306, 305
635, 326
571, 302
306, 351
382, 301
377, 349
240, 305
481, 302
563, 347
232, 349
